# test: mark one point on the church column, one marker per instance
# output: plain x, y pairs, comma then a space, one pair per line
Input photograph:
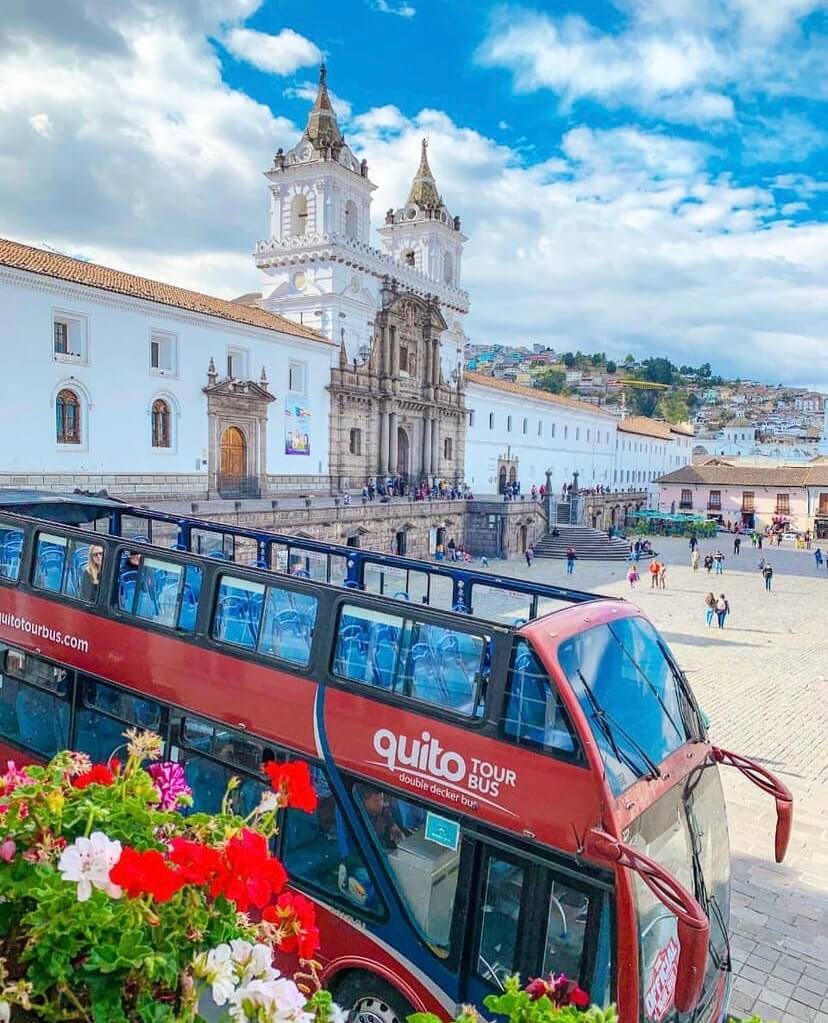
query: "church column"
395, 353
382, 462
385, 361
435, 446
427, 366
435, 362
393, 438
425, 460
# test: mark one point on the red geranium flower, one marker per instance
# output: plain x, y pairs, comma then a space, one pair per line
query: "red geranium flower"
250, 875
140, 873
197, 863
292, 782
100, 774
295, 918
559, 989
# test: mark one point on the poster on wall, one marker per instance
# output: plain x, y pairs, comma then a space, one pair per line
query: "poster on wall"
297, 430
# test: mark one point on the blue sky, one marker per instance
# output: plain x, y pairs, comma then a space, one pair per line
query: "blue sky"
644, 175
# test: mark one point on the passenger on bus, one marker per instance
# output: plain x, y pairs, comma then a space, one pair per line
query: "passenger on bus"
91, 575
379, 814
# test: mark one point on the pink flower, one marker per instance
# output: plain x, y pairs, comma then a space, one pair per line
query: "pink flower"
12, 778
171, 783
7, 850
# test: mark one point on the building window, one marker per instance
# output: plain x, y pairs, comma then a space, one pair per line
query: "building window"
471, 417
350, 219
298, 215
686, 499
577, 433
408, 258
162, 354
447, 448
448, 269
540, 428
783, 504
747, 501
491, 420
237, 363
508, 424
403, 358
714, 500
566, 433
552, 430
297, 377
525, 425
823, 504
355, 442
587, 436
161, 424
69, 337
68, 417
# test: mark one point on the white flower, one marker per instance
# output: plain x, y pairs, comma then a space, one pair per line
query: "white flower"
217, 968
88, 861
255, 962
277, 1001
5, 1012
269, 802
338, 1014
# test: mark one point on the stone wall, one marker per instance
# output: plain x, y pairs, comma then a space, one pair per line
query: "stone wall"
495, 528
137, 487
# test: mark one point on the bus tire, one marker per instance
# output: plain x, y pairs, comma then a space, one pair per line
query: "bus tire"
370, 999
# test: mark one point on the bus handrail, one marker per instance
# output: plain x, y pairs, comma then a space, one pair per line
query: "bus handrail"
769, 783
692, 923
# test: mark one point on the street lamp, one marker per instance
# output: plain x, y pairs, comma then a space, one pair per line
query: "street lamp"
364, 352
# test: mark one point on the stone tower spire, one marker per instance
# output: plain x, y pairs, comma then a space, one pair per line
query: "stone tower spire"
424, 188
322, 129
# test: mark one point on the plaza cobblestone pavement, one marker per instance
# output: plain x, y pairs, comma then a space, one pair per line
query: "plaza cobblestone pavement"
763, 682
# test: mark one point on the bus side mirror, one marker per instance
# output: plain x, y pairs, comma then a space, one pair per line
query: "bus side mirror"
693, 927
769, 783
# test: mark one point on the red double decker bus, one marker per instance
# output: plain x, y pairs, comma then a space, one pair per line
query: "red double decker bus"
512, 777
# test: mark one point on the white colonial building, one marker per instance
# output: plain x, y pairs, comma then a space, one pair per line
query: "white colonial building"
121, 382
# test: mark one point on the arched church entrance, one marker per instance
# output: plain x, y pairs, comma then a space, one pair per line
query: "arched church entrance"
233, 454
523, 538
501, 480
403, 467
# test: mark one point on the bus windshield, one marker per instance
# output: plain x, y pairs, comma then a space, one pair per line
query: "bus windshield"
686, 832
633, 696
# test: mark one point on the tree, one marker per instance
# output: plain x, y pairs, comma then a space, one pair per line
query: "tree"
704, 371
597, 358
568, 359
642, 401
552, 380
674, 407
658, 370
611, 366
628, 360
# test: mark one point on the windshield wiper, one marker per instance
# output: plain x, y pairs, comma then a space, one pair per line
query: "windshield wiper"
607, 723
689, 702
652, 687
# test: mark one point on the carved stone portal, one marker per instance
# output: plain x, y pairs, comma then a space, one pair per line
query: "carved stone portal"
237, 437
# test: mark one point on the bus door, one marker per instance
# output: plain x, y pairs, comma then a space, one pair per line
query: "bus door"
531, 918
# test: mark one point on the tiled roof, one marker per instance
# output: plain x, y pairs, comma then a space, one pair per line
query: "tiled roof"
65, 268
683, 428
721, 474
645, 426
535, 392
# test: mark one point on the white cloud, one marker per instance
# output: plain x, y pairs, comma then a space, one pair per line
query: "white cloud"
403, 10
681, 60
42, 124
281, 54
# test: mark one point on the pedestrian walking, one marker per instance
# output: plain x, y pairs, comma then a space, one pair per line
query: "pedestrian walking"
570, 560
655, 568
710, 609
718, 562
759, 541
818, 557
632, 576
767, 573
722, 610
662, 576
484, 561
753, 538
530, 553
694, 560
694, 541
737, 544
708, 562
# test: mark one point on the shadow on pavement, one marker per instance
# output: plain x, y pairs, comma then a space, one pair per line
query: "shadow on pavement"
689, 640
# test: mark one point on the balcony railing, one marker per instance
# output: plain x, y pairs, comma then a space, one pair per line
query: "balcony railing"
685, 505
714, 506
748, 507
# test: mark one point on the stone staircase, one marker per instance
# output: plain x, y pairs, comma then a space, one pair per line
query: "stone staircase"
589, 544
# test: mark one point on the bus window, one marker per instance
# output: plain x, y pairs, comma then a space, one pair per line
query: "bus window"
508, 606
189, 598
238, 612
287, 626
50, 562
422, 852
11, 547
366, 646
68, 566
444, 667
499, 919
320, 850
35, 698
106, 712
212, 755
534, 713
565, 930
